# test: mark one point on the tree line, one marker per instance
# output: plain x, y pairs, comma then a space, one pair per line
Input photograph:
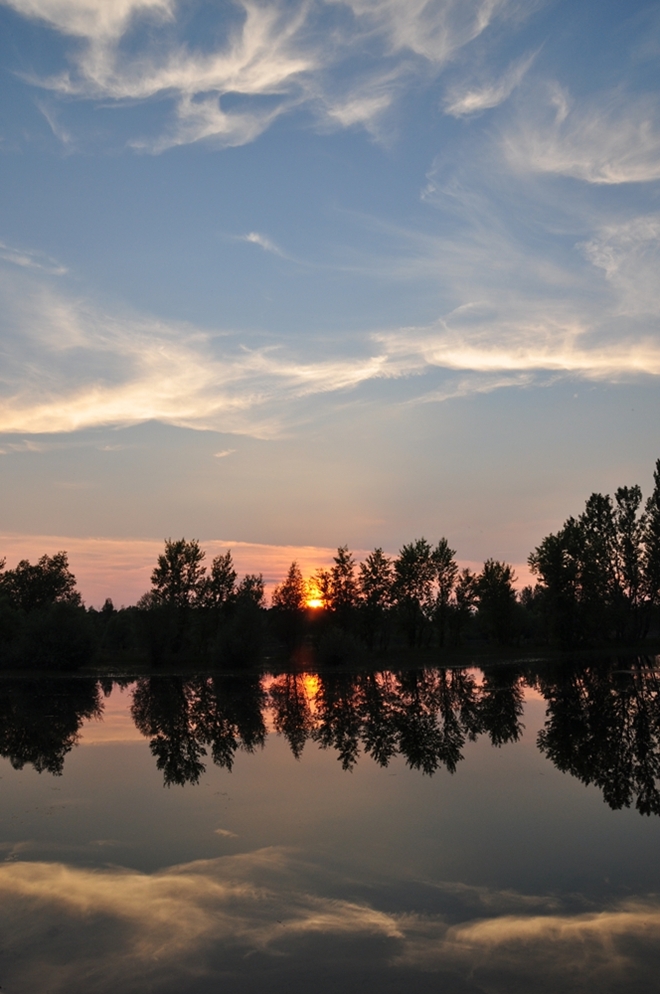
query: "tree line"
597, 581
602, 722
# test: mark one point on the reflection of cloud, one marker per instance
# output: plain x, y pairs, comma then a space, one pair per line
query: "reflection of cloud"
290, 53
130, 929
461, 102
594, 947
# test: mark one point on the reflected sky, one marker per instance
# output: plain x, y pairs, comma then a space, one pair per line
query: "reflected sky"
292, 870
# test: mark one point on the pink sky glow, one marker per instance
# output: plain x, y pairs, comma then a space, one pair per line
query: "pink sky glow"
121, 568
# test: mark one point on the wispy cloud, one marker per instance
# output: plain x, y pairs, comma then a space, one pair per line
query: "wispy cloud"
263, 242
628, 253
25, 445
295, 54
608, 139
90, 19
28, 259
463, 101
497, 349
434, 30
69, 365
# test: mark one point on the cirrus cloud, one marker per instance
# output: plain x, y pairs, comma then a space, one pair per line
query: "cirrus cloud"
273, 58
608, 139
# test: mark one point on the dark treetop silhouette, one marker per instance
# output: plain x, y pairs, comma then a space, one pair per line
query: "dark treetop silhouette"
598, 582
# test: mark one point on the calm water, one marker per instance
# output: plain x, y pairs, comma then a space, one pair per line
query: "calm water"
445, 831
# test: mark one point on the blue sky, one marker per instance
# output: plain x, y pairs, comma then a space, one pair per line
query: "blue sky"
327, 271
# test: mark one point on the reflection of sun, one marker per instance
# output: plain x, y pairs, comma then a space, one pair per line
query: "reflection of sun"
311, 685
314, 598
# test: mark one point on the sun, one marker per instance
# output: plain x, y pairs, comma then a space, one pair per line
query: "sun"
314, 598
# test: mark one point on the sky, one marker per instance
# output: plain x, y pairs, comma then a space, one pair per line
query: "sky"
303, 273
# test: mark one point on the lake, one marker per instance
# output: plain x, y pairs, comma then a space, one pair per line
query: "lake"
445, 830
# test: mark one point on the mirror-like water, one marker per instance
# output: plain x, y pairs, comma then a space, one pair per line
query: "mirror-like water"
436, 830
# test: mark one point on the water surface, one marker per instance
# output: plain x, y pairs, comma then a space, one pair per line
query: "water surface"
440, 830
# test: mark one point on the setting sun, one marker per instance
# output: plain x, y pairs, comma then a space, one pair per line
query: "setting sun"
314, 598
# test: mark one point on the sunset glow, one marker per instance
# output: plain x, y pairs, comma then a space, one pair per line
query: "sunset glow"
314, 598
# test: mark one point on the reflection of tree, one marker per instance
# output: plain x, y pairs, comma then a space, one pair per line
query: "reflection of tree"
379, 733
228, 714
603, 727
426, 716
162, 710
40, 720
429, 728
292, 714
502, 702
183, 717
423, 715
338, 716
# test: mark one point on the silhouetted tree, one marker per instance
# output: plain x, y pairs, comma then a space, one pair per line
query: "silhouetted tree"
651, 540
42, 622
178, 583
219, 587
288, 602
344, 591
30, 587
178, 578
375, 580
595, 573
446, 572
290, 594
497, 600
628, 591
240, 637
465, 599
556, 561
414, 573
